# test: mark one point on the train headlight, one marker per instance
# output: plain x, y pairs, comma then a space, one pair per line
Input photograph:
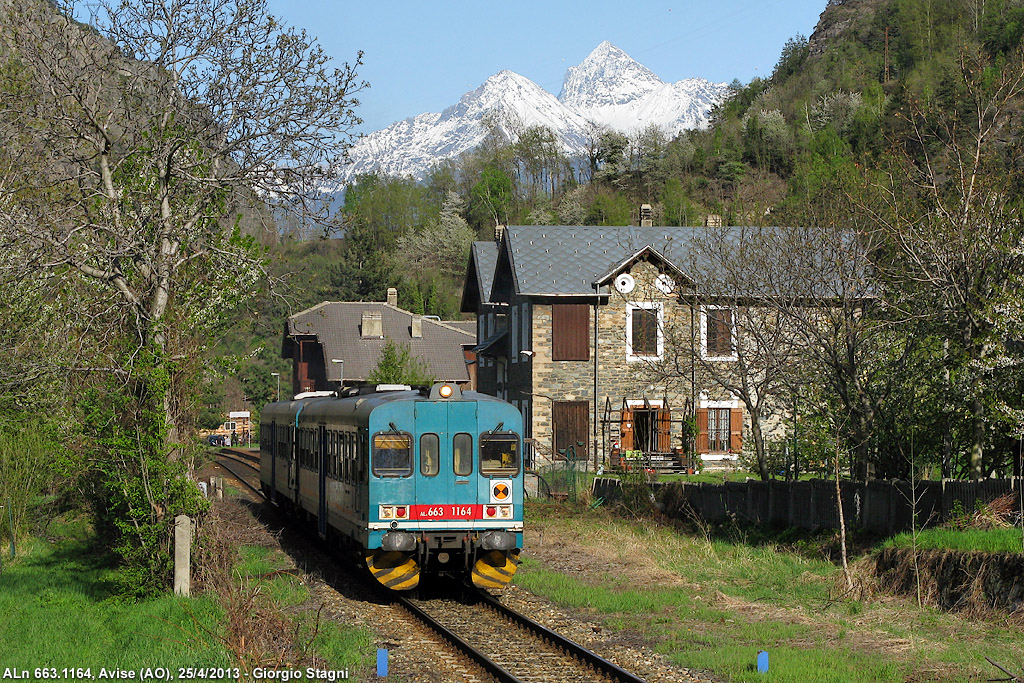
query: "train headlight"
445, 391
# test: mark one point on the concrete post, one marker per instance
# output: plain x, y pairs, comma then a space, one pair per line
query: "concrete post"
182, 555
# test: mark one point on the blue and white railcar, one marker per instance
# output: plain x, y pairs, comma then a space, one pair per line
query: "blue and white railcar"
419, 479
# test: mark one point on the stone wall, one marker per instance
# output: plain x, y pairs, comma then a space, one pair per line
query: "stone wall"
955, 580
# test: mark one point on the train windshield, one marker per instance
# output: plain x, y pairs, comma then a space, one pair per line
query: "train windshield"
392, 455
499, 454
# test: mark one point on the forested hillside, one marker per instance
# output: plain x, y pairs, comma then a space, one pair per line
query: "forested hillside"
895, 118
144, 288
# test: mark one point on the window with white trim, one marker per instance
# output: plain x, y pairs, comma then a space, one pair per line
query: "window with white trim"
717, 333
644, 331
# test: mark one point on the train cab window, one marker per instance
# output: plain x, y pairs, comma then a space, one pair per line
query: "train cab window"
462, 451
430, 449
392, 455
499, 454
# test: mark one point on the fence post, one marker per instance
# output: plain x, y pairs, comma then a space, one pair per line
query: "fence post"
182, 555
10, 522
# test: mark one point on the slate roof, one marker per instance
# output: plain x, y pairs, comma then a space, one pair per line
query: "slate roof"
467, 326
556, 260
336, 325
483, 257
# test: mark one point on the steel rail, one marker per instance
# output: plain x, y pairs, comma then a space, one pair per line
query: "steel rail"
574, 649
494, 669
242, 479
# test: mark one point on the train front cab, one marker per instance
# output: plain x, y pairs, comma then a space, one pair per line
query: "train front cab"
445, 489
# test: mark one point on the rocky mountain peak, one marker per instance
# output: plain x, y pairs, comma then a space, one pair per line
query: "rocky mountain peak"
607, 76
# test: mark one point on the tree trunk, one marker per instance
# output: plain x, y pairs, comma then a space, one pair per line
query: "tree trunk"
762, 460
977, 438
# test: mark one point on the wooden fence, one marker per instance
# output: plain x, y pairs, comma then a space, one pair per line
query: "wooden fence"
882, 507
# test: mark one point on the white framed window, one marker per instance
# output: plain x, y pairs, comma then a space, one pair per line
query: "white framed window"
645, 339
717, 333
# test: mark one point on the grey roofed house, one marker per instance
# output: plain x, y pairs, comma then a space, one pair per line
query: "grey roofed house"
337, 343
581, 261
483, 257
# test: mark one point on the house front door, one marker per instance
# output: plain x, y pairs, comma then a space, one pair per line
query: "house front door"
571, 425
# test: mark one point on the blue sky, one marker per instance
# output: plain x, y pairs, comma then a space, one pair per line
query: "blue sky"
422, 56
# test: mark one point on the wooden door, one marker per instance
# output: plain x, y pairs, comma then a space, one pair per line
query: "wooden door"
571, 426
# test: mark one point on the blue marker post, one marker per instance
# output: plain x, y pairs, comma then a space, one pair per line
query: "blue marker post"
382, 663
762, 662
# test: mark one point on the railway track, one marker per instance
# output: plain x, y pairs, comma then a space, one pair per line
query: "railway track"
492, 639
510, 647
242, 458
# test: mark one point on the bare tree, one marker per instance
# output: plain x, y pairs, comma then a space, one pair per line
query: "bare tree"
950, 218
132, 150
744, 345
818, 280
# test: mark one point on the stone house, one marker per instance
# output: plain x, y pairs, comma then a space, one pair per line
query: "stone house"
338, 343
593, 333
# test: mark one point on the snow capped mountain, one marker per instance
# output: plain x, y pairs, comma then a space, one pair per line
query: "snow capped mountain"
608, 88
607, 77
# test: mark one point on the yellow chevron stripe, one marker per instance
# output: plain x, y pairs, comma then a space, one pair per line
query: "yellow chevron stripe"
394, 570
495, 569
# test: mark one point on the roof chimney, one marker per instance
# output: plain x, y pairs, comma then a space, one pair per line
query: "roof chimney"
499, 232
646, 216
373, 325
416, 327
392, 297
713, 220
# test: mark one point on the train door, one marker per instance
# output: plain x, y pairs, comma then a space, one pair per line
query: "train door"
272, 435
321, 474
446, 461
293, 463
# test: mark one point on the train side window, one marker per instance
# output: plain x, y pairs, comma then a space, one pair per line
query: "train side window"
462, 450
430, 449
392, 455
499, 454
332, 455
350, 459
346, 450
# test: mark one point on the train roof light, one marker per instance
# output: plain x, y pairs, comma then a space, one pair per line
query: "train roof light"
445, 391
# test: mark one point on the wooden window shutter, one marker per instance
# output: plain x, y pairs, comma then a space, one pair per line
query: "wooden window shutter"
664, 430
626, 439
570, 332
736, 430
702, 430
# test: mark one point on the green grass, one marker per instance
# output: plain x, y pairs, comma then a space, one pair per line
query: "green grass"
737, 593
985, 540
59, 610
